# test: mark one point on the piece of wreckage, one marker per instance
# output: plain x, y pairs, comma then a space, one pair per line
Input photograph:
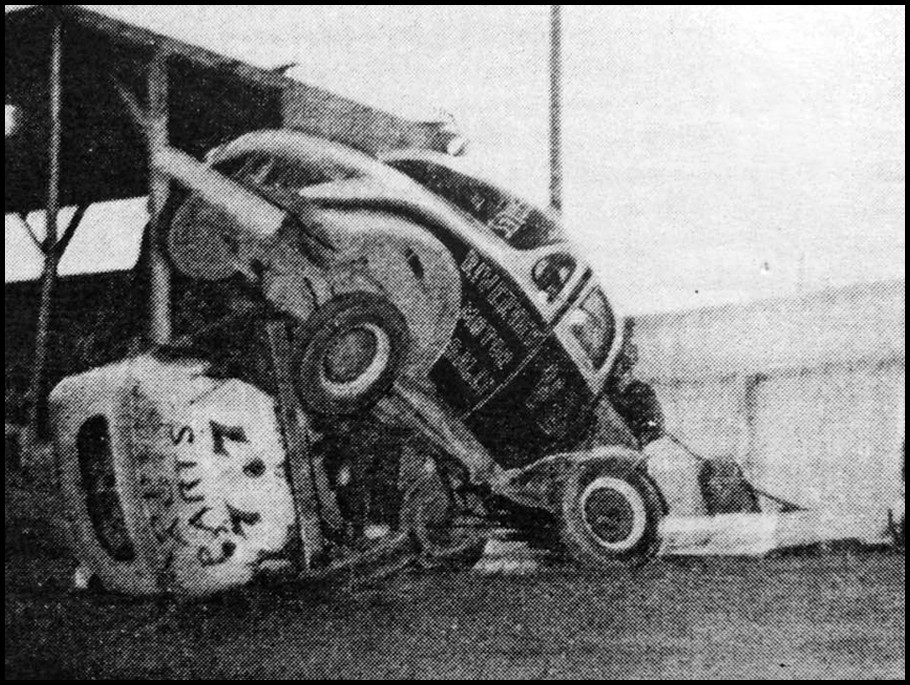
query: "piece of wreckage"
388, 358
431, 382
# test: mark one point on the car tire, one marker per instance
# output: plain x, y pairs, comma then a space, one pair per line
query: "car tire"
349, 353
430, 513
611, 514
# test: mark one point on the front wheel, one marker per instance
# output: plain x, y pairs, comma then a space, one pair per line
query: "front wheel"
611, 514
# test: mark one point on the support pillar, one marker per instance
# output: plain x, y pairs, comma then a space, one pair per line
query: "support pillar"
160, 305
37, 385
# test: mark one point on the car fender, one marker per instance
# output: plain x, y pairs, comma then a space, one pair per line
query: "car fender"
539, 485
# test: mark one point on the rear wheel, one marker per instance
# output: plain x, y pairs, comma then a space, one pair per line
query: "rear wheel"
611, 514
349, 353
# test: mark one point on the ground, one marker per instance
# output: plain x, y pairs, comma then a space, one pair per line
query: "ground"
835, 615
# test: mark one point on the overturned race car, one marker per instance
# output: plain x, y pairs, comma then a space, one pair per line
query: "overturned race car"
378, 361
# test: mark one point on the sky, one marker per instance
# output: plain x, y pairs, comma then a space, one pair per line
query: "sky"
713, 154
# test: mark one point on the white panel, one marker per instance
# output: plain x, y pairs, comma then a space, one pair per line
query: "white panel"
832, 439
706, 415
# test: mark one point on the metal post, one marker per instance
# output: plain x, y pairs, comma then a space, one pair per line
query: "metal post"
160, 326
37, 390
556, 107
292, 420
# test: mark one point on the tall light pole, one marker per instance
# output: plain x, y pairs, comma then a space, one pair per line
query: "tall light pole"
556, 107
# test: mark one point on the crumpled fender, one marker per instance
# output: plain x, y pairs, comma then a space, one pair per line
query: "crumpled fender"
539, 485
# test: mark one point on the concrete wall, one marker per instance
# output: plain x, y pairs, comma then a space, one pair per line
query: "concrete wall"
806, 393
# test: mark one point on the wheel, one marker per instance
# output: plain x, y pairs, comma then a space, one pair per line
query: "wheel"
431, 513
349, 353
611, 514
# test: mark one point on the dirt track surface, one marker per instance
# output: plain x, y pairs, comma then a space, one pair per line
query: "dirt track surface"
832, 616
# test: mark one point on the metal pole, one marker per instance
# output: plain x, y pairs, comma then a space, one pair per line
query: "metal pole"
37, 390
556, 107
159, 325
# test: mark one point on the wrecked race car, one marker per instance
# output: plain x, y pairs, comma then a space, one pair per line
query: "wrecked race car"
378, 361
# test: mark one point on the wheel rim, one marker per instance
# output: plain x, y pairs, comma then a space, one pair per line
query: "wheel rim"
436, 517
614, 514
354, 360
